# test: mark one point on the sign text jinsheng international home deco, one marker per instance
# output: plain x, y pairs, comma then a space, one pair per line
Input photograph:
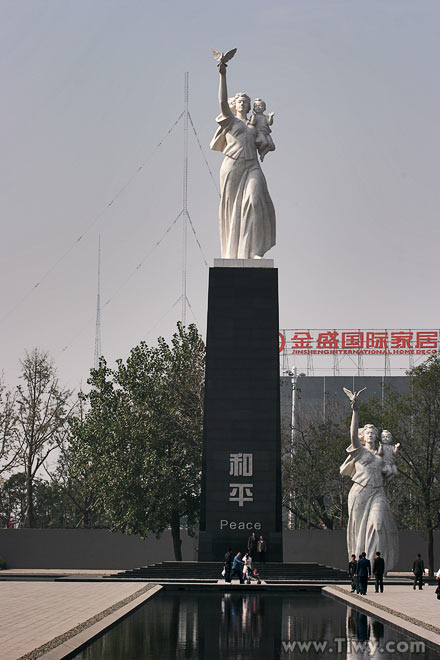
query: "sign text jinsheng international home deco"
359, 342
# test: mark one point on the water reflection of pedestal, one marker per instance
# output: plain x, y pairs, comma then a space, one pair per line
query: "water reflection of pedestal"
247, 626
241, 474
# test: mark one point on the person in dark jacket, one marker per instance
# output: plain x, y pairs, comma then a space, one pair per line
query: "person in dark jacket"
352, 565
363, 572
358, 590
378, 572
252, 545
229, 556
418, 570
261, 549
237, 568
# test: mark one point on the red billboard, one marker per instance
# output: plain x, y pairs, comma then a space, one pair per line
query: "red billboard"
359, 342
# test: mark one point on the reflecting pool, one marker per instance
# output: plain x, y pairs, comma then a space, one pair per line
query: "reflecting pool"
250, 626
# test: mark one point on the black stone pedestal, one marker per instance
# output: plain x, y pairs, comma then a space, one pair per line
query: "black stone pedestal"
241, 479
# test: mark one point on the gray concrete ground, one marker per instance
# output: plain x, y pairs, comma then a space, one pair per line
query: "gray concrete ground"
413, 612
56, 571
37, 613
34, 613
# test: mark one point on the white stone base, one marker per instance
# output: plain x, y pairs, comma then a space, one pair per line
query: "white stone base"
243, 263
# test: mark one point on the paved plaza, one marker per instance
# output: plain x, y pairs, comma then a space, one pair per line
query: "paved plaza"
35, 613
413, 612
55, 617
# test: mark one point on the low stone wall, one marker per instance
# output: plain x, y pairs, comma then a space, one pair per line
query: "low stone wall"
328, 547
87, 548
101, 549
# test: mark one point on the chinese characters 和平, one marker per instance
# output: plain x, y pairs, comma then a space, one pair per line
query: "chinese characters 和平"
241, 465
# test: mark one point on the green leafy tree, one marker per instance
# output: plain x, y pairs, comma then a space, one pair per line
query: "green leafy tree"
48, 502
13, 499
76, 481
141, 437
414, 421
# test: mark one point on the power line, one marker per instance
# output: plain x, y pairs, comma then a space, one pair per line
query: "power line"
186, 218
197, 240
175, 303
121, 286
78, 334
92, 224
141, 263
193, 313
203, 155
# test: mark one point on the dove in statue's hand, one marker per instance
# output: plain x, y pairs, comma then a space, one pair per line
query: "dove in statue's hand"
353, 396
222, 58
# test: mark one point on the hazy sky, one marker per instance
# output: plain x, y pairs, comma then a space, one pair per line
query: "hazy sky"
90, 88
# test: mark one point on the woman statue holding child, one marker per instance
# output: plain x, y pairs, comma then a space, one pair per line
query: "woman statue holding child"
371, 527
246, 215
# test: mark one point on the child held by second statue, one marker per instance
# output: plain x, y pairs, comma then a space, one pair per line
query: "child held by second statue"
388, 450
262, 124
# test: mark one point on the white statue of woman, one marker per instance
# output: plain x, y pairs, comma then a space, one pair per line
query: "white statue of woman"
371, 527
246, 215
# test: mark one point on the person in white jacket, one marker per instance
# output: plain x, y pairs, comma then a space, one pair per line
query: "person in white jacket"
247, 568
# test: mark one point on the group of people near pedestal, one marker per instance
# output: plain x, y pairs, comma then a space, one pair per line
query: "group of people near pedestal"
241, 566
257, 547
360, 571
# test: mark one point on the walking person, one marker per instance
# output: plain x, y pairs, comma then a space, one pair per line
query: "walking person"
229, 556
358, 589
364, 572
247, 568
237, 568
261, 549
252, 545
352, 566
378, 572
419, 571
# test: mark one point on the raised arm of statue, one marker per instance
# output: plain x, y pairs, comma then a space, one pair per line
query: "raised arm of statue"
223, 92
354, 428
222, 58
246, 212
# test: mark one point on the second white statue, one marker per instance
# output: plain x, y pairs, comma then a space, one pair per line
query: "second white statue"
371, 527
247, 214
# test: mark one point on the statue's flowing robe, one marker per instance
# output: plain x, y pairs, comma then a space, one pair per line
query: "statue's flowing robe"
246, 214
371, 526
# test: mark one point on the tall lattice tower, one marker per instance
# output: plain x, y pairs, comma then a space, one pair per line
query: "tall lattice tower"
98, 311
185, 196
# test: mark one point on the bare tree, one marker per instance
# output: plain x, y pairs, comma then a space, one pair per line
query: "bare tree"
313, 490
42, 411
8, 452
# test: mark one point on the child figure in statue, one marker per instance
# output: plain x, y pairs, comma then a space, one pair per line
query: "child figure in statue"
388, 450
370, 521
262, 125
246, 213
